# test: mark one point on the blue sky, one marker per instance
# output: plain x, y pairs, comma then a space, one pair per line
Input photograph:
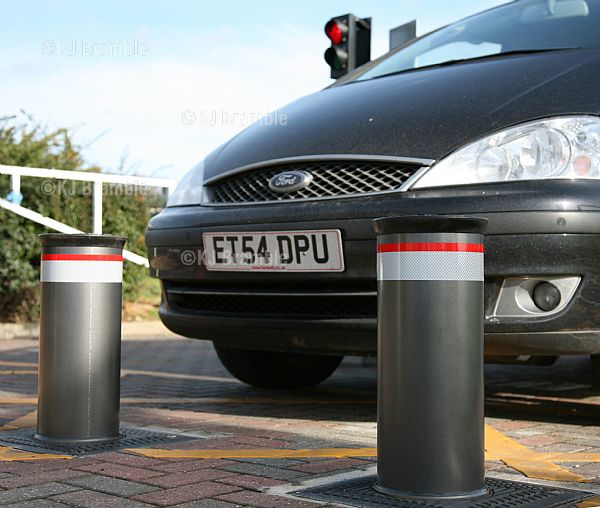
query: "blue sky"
160, 83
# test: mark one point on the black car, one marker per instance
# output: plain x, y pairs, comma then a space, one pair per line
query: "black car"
267, 246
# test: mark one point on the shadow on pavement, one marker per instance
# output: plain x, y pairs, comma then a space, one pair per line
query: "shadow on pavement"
186, 374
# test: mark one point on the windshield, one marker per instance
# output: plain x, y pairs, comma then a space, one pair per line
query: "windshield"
524, 25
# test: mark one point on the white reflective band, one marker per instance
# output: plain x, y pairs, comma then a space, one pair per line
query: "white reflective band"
82, 271
425, 265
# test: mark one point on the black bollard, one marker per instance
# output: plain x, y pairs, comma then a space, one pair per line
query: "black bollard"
430, 357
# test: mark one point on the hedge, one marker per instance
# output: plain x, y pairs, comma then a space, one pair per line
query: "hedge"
126, 211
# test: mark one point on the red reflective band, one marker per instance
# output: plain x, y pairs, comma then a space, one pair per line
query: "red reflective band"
82, 257
430, 247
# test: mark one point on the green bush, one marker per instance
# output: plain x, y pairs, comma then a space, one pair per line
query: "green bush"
125, 213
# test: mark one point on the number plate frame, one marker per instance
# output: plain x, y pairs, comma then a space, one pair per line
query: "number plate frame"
294, 246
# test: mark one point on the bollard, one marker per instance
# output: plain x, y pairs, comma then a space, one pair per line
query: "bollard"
80, 337
430, 419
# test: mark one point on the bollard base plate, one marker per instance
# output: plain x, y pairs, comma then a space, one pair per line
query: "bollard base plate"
360, 492
407, 495
46, 439
28, 441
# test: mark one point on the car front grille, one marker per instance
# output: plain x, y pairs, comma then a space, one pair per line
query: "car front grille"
330, 179
297, 300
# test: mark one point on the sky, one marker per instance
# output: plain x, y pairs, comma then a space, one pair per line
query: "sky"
150, 87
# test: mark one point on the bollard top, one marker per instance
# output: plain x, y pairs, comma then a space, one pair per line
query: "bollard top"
81, 240
429, 224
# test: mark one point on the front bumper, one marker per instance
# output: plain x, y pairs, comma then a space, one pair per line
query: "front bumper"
547, 230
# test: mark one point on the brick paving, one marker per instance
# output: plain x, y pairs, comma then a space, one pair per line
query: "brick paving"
178, 479
108, 485
185, 493
93, 499
120, 471
264, 500
198, 397
39, 491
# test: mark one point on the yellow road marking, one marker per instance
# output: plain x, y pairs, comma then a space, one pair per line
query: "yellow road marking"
593, 502
280, 453
28, 420
10, 455
26, 401
572, 457
524, 460
498, 446
18, 364
533, 467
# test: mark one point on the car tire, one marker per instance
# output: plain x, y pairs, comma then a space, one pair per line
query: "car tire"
596, 367
269, 369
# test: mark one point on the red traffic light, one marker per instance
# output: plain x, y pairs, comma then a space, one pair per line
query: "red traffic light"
350, 43
335, 30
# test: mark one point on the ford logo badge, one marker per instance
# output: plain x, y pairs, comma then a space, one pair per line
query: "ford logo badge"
290, 181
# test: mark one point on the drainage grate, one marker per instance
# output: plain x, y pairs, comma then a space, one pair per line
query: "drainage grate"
131, 438
360, 492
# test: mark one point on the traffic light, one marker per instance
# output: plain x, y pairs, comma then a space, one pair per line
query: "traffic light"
350, 43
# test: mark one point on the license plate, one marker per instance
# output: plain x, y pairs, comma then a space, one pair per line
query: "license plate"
275, 251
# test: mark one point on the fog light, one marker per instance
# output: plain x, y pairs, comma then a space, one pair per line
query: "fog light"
546, 296
532, 297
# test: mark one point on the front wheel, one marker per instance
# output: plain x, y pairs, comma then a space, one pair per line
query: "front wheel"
268, 369
596, 367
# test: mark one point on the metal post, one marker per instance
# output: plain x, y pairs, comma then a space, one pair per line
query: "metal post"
80, 337
15, 196
430, 357
97, 208
15, 183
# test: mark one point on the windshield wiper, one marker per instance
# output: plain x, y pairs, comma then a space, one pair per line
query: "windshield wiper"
502, 53
482, 57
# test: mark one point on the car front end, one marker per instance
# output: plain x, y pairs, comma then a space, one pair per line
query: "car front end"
537, 232
268, 244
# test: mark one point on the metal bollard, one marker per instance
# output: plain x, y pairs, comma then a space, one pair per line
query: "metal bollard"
430, 357
80, 337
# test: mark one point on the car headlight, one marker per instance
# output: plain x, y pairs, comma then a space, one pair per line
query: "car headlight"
189, 188
560, 147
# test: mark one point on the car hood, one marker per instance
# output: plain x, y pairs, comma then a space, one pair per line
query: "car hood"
424, 113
